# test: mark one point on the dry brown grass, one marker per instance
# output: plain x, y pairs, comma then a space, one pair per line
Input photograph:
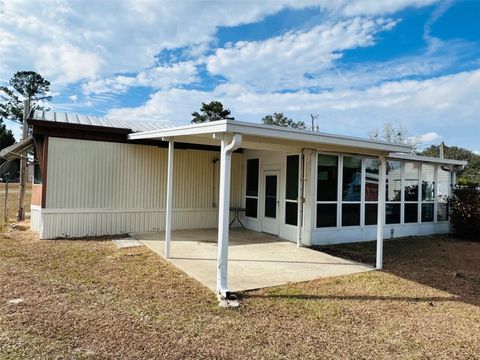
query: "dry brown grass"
91, 300
12, 203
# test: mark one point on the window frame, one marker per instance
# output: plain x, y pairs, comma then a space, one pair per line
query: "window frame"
285, 188
364, 192
360, 202
431, 202
331, 202
245, 196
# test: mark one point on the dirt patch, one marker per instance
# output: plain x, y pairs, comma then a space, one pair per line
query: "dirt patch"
91, 300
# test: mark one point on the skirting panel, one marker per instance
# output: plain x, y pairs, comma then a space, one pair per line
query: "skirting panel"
35, 212
98, 222
369, 233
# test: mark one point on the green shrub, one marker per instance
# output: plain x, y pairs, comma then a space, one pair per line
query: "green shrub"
465, 211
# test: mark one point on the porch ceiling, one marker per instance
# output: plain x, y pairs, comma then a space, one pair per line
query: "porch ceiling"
256, 260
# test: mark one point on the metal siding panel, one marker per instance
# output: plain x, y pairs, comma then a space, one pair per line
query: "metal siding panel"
126, 183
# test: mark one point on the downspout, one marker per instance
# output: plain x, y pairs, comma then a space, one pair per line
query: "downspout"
301, 194
224, 213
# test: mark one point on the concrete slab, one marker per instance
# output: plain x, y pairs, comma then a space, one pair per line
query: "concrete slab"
256, 260
127, 243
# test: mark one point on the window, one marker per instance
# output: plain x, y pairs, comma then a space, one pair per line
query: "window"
393, 192
326, 215
410, 189
291, 190
443, 192
251, 191
372, 167
428, 192
327, 178
327, 190
351, 190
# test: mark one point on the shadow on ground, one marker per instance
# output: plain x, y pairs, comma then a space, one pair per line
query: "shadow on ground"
441, 262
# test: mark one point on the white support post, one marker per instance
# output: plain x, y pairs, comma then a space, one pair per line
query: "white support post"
169, 205
381, 211
224, 211
300, 199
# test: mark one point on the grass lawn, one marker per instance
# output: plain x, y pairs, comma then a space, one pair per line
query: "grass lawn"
12, 201
87, 299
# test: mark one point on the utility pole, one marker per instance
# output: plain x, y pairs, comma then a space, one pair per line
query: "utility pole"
23, 165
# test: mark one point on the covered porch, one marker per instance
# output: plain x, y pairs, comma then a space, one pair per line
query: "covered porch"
277, 191
256, 260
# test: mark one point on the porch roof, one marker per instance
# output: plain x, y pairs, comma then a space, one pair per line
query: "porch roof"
259, 136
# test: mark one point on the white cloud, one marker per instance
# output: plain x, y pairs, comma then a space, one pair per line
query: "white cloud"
418, 105
159, 77
67, 63
430, 137
282, 62
73, 98
72, 40
372, 7
113, 36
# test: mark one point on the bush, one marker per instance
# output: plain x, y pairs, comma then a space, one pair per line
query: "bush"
465, 211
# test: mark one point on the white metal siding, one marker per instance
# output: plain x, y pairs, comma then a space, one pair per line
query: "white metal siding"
35, 212
100, 188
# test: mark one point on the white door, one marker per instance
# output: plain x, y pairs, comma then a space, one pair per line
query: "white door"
271, 202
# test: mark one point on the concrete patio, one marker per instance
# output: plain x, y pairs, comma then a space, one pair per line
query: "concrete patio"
256, 260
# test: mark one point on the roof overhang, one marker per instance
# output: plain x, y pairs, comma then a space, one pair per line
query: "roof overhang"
259, 136
17, 150
428, 159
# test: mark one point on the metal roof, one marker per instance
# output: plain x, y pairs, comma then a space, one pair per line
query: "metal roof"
89, 120
17, 150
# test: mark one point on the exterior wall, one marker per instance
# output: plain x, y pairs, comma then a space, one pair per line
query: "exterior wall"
311, 235
276, 161
103, 188
37, 194
369, 233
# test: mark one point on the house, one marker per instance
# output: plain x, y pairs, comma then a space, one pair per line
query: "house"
102, 177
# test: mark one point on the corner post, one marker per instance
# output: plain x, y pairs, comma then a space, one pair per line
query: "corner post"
169, 204
381, 211
227, 147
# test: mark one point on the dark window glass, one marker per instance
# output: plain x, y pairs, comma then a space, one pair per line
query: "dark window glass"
427, 212
352, 178
411, 213
394, 181
350, 214
371, 214
252, 177
251, 205
291, 213
371, 179
327, 175
392, 213
411, 181
326, 215
271, 196
442, 211
291, 191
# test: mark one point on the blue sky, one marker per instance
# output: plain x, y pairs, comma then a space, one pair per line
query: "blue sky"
357, 64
